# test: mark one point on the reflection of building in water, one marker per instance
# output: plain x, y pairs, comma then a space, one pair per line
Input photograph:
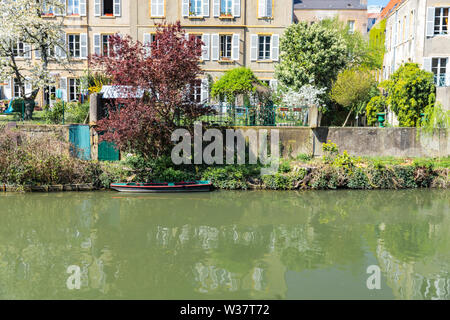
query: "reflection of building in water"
414, 279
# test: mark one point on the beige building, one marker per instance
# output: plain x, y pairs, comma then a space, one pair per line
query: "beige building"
235, 32
418, 31
352, 12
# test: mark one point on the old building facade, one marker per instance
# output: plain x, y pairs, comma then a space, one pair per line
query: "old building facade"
418, 31
235, 32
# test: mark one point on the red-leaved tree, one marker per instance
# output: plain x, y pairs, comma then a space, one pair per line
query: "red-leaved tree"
154, 86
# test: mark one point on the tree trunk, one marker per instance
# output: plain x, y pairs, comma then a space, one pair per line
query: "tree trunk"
348, 116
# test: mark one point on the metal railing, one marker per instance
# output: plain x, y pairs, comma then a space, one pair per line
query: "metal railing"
257, 116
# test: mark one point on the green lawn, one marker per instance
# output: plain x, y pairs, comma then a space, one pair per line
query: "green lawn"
37, 118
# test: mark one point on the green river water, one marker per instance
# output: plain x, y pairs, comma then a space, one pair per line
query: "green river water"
225, 245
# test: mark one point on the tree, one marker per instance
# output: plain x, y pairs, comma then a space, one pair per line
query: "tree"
153, 81
411, 91
310, 54
360, 53
22, 21
306, 96
352, 90
237, 81
376, 105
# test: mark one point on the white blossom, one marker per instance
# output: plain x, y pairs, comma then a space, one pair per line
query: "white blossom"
306, 96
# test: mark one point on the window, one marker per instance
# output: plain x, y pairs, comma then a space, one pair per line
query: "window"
351, 26
19, 49
74, 89
265, 8
106, 45
196, 94
17, 91
195, 7
438, 67
264, 48
47, 9
73, 7
441, 20
226, 7
225, 46
108, 8
49, 94
74, 46
157, 8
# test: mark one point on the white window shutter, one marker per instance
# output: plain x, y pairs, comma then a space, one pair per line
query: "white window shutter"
63, 87
447, 72
83, 8
97, 8
62, 10
206, 46
147, 42
205, 90
185, 8
216, 9
427, 64
84, 45
254, 47
205, 8
275, 47
60, 50
273, 83
117, 8
215, 47
235, 44
236, 8
430, 21
28, 87
97, 44
262, 8
7, 89
37, 54
154, 8
407, 29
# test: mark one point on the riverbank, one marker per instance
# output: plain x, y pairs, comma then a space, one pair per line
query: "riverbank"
44, 164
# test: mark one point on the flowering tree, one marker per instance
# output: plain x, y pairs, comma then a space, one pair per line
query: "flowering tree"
24, 29
307, 95
154, 84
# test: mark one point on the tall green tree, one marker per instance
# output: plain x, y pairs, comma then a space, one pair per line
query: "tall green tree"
310, 54
411, 91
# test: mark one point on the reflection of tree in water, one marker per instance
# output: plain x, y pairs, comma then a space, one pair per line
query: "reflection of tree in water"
221, 245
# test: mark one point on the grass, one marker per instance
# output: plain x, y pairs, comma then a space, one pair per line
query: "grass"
38, 118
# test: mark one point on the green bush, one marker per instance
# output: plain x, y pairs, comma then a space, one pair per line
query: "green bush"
77, 112
376, 105
54, 115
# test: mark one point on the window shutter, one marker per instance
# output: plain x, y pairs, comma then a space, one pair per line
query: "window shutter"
98, 8
63, 87
236, 8
407, 29
97, 44
117, 8
413, 31
254, 47
62, 10
205, 91
154, 8
262, 8
205, 9
84, 45
275, 44
430, 21
216, 9
215, 47
235, 47
205, 47
427, 64
37, 54
83, 8
7, 89
147, 42
447, 72
28, 87
185, 8
60, 50
273, 84
268, 8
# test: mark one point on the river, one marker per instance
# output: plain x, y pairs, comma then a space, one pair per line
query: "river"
226, 245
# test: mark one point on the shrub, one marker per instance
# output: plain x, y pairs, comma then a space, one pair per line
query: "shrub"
77, 112
54, 115
330, 151
376, 105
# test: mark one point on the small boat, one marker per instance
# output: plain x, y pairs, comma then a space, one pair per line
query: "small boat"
160, 187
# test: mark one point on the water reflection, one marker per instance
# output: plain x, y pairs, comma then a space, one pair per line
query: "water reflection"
271, 245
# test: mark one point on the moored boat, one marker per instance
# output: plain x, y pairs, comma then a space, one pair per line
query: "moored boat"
184, 186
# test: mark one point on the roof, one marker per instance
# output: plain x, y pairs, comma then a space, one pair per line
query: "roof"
329, 4
390, 7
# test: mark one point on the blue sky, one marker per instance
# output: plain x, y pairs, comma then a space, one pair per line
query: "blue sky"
378, 2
